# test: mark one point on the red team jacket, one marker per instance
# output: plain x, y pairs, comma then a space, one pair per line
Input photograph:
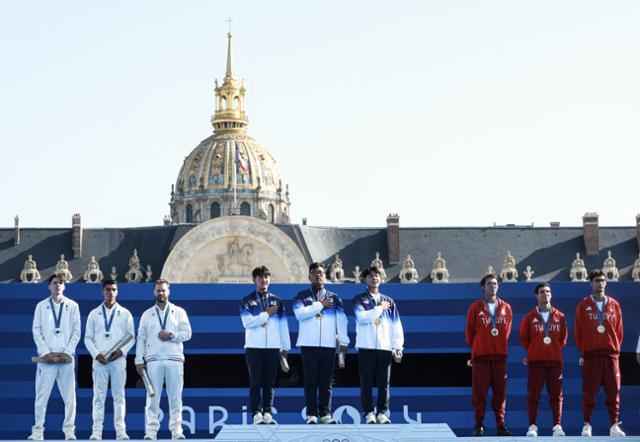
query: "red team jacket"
532, 335
478, 330
588, 340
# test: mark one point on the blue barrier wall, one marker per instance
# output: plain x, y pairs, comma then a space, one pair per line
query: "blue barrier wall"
433, 317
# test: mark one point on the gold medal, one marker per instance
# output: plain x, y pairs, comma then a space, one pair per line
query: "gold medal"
377, 321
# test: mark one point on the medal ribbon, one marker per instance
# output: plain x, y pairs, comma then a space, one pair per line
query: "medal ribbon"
163, 322
264, 301
107, 324
599, 312
492, 316
56, 319
545, 324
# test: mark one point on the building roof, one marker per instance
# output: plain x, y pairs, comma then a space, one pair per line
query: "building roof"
468, 251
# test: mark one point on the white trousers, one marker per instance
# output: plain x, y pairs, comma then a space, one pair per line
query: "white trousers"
64, 376
171, 373
117, 371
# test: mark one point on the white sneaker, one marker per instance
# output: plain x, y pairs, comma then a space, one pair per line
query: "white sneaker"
177, 435
327, 419
557, 431
532, 431
150, 435
70, 435
312, 420
96, 435
257, 418
586, 429
36, 436
370, 418
383, 419
267, 418
616, 431
122, 436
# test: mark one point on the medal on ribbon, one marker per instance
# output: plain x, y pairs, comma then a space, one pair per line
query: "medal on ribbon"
264, 302
600, 328
57, 319
163, 321
546, 327
107, 323
492, 317
377, 321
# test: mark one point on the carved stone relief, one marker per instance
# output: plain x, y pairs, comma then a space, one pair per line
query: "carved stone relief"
509, 273
578, 272
93, 274
439, 272
30, 273
408, 273
609, 268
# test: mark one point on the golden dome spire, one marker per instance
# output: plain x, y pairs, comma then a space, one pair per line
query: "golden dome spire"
229, 74
229, 113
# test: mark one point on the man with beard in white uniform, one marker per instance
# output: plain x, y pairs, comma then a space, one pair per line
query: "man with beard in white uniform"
163, 328
56, 332
106, 325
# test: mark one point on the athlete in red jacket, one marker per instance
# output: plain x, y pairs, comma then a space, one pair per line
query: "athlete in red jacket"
598, 333
543, 332
487, 333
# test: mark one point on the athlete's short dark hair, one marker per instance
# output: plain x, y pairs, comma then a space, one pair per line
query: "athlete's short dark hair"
261, 271
595, 273
487, 277
539, 286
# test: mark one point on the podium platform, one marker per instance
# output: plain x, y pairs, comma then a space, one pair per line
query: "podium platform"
334, 433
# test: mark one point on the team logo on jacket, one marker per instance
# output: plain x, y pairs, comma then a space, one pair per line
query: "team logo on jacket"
253, 303
503, 312
481, 313
588, 309
365, 301
534, 320
555, 318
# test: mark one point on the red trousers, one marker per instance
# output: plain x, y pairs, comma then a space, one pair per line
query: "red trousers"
487, 374
601, 370
539, 373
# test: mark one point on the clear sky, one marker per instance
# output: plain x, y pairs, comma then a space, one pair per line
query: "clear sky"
451, 113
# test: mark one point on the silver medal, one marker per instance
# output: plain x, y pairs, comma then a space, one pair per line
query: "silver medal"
547, 340
494, 332
600, 328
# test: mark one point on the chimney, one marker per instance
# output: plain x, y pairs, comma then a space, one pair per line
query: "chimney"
393, 238
304, 221
76, 235
16, 230
590, 233
638, 230
554, 224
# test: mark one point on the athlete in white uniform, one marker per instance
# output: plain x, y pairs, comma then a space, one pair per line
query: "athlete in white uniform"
163, 328
106, 325
56, 332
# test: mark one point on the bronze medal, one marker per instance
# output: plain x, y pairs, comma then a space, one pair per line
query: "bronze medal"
377, 321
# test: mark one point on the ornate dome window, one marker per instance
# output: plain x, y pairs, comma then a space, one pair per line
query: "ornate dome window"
271, 214
189, 213
215, 210
245, 209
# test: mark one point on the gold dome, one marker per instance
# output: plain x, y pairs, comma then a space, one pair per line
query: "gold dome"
229, 173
